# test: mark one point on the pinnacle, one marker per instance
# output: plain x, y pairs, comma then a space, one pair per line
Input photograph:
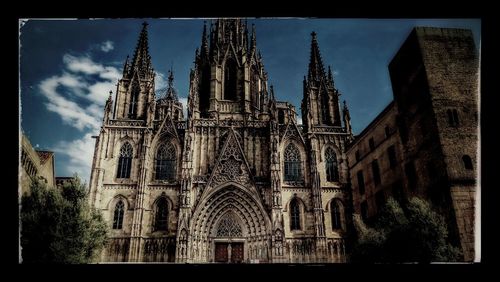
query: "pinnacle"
171, 92
142, 59
316, 69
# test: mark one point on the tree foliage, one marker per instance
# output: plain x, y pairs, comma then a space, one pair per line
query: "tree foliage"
413, 233
59, 226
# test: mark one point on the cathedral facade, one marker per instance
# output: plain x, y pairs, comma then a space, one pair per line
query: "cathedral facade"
236, 180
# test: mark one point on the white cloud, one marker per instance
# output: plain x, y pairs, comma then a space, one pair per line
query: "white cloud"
82, 64
99, 92
78, 96
110, 73
80, 153
71, 113
76, 78
160, 83
184, 105
70, 80
107, 46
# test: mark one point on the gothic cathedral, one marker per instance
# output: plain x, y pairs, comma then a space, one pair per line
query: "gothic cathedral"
237, 180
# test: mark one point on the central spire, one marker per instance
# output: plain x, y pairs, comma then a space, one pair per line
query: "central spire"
171, 92
230, 31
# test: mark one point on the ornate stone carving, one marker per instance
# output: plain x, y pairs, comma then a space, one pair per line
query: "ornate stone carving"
127, 123
231, 165
329, 129
229, 226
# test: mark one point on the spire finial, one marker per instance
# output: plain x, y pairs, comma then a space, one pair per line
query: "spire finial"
170, 77
254, 37
330, 75
204, 40
171, 93
126, 66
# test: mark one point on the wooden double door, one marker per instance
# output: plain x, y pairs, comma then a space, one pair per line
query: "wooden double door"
229, 252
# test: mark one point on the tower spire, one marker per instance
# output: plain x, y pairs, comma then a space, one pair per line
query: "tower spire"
320, 102
316, 69
272, 93
204, 41
171, 93
253, 39
126, 67
142, 60
347, 119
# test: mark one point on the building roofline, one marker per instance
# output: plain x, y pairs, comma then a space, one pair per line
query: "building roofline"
373, 122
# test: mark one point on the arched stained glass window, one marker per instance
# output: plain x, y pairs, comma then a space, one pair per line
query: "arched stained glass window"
336, 215
118, 215
332, 171
132, 108
293, 163
230, 75
294, 215
125, 161
161, 215
229, 226
166, 161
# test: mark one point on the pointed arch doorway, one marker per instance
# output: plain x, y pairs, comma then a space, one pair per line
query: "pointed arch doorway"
229, 239
233, 222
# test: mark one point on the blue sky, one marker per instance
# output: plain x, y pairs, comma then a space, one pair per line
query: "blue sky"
68, 67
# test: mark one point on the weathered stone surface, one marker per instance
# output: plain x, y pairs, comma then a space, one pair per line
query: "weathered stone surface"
433, 120
229, 163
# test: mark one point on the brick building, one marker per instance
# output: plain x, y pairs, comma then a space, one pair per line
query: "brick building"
425, 142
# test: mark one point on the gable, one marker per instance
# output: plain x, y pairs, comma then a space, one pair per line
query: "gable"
231, 165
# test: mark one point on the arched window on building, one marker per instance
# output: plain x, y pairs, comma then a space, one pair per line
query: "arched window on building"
281, 116
452, 117
205, 91
332, 170
455, 116
293, 163
118, 215
467, 162
336, 215
230, 80
294, 215
166, 162
254, 87
132, 108
125, 161
161, 215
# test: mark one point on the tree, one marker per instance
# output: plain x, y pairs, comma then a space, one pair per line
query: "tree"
59, 226
413, 233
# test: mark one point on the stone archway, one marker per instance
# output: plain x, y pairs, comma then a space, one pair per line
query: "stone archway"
230, 220
229, 239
